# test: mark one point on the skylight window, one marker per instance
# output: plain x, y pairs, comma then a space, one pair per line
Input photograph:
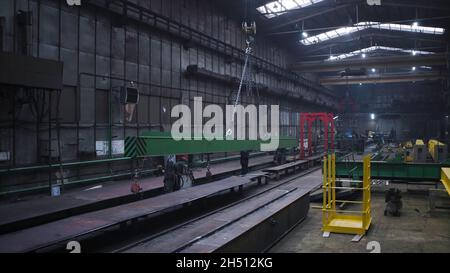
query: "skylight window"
411, 28
374, 48
365, 25
276, 8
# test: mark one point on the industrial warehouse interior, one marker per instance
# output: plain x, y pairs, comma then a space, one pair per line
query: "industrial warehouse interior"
224, 126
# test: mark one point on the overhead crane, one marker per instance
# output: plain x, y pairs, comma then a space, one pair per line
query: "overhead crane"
162, 143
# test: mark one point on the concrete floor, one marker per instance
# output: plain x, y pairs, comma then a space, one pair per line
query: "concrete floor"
416, 230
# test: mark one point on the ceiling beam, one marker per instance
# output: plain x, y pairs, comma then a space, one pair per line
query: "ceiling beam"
298, 15
374, 62
368, 34
383, 78
342, 50
441, 5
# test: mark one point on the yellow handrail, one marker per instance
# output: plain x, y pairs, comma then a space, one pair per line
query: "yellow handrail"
344, 221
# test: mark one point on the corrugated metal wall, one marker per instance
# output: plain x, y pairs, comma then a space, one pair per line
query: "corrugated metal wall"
101, 51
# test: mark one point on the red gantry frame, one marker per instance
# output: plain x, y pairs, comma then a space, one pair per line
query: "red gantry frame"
328, 123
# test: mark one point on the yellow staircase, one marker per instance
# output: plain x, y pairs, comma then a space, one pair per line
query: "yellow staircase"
345, 221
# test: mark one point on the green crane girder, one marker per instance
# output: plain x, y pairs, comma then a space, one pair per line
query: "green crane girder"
392, 170
161, 143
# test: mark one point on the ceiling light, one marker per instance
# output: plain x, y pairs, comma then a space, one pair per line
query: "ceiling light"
413, 68
363, 55
374, 70
372, 116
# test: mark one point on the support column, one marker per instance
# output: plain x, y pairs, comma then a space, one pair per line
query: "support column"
309, 136
302, 136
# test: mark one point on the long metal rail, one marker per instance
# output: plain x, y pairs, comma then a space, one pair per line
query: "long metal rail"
55, 215
102, 220
102, 227
185, 245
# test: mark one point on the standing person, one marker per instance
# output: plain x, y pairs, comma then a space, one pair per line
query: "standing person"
244, 162
170, 176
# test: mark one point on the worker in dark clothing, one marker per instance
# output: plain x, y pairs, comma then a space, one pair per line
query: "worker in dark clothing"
177, 174
171, 179
244, 161
280, 156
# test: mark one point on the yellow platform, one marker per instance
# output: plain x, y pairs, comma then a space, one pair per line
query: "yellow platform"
353, 224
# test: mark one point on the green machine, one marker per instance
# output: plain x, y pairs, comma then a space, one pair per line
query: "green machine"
178, 174
392, 170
